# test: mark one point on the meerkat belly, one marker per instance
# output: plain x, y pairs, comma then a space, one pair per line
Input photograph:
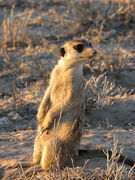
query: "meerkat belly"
60, 93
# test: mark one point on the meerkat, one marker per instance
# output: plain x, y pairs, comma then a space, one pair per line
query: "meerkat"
60, 114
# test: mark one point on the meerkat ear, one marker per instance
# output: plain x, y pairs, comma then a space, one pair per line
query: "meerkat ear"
62, 52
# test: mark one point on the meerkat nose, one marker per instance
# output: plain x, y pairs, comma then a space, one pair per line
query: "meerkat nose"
94, 52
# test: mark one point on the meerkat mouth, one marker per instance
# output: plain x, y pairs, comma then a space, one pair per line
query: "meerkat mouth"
93, 55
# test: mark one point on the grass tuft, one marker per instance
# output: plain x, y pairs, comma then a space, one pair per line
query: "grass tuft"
15, 30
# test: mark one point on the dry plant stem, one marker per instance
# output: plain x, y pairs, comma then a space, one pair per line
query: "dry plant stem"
131, 172
23, 173
115, 171
99, 88
14, 94
14, 31
33, 173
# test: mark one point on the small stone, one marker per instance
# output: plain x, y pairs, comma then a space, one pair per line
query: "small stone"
30, 128
14, 116
111, 34
4, 122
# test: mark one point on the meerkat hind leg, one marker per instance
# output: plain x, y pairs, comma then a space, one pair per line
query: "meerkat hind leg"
54, 154
48, 155
37, 151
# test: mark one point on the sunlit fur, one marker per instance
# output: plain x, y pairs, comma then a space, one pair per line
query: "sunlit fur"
60, 114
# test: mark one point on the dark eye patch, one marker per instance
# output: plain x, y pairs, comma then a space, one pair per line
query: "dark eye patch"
62, 52
79, 47
90, 44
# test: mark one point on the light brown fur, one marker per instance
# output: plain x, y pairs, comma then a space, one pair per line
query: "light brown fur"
61, 111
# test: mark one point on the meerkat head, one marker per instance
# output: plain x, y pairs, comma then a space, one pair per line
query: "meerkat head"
76, 52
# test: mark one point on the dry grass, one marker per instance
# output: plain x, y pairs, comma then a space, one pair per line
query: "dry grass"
104, 22
100, 17
15, 30
100, 91
109, 23
114, 170
107, 61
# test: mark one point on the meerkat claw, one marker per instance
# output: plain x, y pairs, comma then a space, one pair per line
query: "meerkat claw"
43, 130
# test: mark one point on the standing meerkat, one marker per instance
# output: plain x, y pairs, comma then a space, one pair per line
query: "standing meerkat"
61, 111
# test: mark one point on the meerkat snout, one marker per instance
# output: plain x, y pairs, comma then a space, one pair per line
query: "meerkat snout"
94, 52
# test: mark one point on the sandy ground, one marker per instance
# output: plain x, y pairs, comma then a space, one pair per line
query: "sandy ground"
24, 75
16, 151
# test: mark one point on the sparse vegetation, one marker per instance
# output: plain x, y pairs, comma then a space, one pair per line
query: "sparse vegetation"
110, 62
102, 92
31, 33
113, 170
15, 29
100, 17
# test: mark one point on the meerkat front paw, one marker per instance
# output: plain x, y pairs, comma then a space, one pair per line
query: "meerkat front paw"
40, 116
45, 128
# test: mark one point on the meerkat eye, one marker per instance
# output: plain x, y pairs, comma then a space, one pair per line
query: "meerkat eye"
62, 52
90, 44
79, 47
